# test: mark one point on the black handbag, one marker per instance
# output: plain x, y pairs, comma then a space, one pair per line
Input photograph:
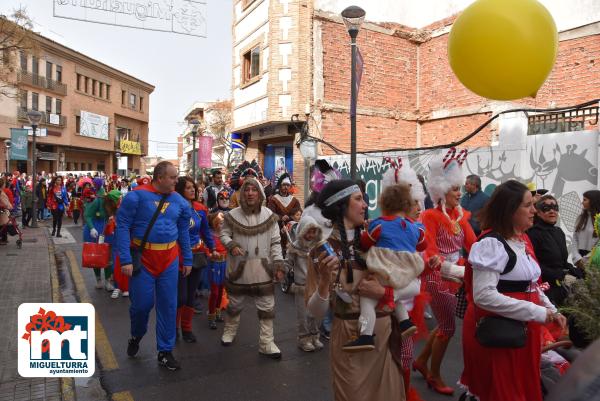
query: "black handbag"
461, 302
199, 261
501, 332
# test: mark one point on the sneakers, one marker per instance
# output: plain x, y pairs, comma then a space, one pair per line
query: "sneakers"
99, 284
109, 286
58, 235
188, 336
317, 342
115, 294
167, 360
407, 328
125, 293
133, 346
269, 350
305, 344
362, 343
325, 333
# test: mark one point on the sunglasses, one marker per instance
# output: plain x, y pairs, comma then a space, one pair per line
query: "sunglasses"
546, 207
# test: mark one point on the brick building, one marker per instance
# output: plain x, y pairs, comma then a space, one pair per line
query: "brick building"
74, 92
409, 96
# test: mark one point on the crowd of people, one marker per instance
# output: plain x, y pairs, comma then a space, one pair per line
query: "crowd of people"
498, 262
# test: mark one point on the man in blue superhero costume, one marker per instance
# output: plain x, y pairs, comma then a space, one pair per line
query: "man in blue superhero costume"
158, 273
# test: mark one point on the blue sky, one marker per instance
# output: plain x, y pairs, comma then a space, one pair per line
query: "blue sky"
183, 68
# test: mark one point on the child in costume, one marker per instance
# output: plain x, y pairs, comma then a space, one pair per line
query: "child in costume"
76, 205
392, 241
216, 272
297, 261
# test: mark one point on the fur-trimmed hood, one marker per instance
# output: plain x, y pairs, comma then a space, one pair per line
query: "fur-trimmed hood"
305, 224
261, 195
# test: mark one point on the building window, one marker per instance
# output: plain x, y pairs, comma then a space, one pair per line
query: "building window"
101, 166
107, 92
69, 166
89, 166
35, 65
48, 70
58, 106
93, 87
78, 82
251, 65
132, 100
59, 73
34, 101
87, 84
48, 104
77, 124
24, 99
100, 89
141, 103
23, 61
123, 94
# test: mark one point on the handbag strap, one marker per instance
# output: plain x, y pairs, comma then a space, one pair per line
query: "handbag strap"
152, 220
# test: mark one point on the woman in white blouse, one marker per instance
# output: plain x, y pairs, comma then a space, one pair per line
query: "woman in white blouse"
584, 237
503, 281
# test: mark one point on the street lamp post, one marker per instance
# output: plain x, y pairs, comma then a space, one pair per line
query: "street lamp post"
7, 144
195, 123
34, 118
353, 17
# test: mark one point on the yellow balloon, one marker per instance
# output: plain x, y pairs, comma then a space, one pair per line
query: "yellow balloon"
503, 49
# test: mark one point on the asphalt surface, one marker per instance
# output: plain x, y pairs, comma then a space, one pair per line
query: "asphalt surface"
212, 372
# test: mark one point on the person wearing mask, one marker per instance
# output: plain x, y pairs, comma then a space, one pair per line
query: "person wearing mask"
584, 237
473, 200
550, 246
502, 282
57, 202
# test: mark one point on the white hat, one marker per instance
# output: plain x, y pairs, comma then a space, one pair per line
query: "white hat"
400, 174
445, 172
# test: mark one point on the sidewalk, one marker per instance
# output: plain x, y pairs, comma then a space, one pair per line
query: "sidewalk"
25, 276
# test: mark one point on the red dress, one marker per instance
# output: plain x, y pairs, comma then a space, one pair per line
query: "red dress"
500, 374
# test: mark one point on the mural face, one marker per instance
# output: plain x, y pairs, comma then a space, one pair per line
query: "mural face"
564, 163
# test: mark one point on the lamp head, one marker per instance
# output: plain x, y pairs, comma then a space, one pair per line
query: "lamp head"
353, 17
34, 117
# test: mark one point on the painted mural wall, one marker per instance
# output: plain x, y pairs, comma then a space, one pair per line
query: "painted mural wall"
564, 163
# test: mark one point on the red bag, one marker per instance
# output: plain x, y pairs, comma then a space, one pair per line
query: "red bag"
95, 255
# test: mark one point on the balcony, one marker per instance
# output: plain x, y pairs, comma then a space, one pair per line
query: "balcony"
130, 151
28, 78
53, 120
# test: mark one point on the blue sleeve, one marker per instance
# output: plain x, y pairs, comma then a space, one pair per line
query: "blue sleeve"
373, 224
125, 217
183, 227
205, 231
65, 198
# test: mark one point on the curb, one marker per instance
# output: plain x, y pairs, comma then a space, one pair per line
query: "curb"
67, 385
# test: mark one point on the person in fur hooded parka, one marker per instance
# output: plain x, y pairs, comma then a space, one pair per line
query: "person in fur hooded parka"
308, 234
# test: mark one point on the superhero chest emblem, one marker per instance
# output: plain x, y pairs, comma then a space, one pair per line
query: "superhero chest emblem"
164, 208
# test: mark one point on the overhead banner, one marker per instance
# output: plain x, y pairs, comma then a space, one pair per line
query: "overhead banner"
205, 144
131, 147
18, 144
187, 17
93, 125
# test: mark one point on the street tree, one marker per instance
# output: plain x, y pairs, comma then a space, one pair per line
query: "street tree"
16, 36
219, 125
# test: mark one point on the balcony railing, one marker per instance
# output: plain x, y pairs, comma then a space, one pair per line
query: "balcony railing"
32, 79
47, 118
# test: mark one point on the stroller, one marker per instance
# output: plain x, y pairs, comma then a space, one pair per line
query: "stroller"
12, 227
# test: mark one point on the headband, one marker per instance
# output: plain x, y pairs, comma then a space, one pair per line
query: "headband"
341, 194
286, 180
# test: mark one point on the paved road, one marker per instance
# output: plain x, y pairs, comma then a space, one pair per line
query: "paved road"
210, 371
